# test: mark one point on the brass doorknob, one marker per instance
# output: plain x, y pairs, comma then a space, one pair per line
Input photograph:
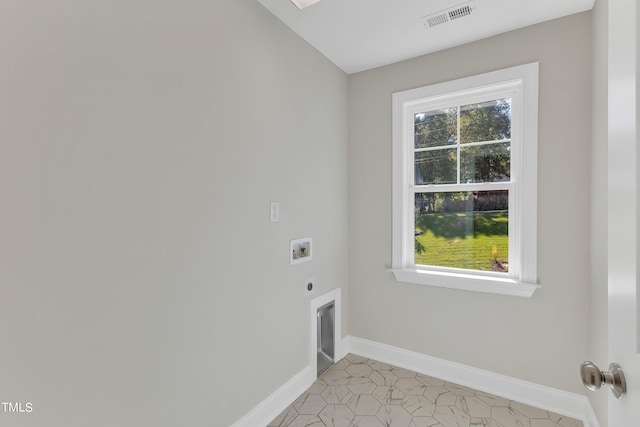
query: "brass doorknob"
593, 378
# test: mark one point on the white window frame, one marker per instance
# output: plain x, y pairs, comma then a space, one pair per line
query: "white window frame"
521, 85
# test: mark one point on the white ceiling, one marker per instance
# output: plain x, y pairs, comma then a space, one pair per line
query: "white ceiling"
361, 34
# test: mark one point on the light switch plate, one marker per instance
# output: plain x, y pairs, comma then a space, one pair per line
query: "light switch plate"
274, 211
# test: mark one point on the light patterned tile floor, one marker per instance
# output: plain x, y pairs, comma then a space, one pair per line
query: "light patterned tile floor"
359, 392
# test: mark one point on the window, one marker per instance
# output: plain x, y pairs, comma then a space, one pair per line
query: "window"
464, 183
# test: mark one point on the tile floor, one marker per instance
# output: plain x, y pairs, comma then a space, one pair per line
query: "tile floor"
359, 392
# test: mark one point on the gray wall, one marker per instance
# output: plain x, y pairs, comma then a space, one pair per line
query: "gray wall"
141, 283
542, 339
598, 308
141, 141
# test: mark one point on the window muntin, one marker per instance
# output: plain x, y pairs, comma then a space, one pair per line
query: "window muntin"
437, 126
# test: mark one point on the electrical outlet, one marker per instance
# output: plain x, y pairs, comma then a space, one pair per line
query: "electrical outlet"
310, 286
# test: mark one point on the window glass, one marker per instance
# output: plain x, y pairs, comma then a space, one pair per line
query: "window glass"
485, 163
436, 128
468, 230
436, 167
485, 121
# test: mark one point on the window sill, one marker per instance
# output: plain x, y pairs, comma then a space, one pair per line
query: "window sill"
466, 282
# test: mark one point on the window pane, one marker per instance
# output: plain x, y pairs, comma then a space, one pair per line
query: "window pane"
485, 163
468, 230
436, 167
486, 121
436, 128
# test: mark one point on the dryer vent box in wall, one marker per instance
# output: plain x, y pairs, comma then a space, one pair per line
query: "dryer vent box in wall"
448, 15
326, 336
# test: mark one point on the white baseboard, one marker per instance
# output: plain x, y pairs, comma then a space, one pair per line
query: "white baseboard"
561, 402
278, 401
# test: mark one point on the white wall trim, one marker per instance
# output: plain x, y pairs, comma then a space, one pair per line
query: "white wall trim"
278, 401
561, 402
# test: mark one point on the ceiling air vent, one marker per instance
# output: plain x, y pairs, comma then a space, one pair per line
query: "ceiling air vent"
444, 16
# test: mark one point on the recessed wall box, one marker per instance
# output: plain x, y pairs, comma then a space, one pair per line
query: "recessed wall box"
300, 250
